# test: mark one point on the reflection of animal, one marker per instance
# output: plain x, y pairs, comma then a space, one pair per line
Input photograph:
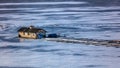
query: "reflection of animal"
31, 32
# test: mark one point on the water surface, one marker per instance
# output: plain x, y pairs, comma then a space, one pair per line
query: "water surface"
93, 19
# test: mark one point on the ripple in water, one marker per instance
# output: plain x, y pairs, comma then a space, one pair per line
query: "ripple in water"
77, 19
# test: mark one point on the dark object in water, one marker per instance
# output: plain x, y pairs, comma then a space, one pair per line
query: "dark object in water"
35, 33
31, 32
53, 35
40, 36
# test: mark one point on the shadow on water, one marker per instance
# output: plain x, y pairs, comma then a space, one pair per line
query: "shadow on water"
14, 39
47, 50
94, 66
25, 47
79, 54
9, 11
71, 54
14, 67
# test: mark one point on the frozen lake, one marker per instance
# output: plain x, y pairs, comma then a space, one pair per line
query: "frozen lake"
92, 19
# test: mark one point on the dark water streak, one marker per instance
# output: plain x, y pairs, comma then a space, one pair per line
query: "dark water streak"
85, 19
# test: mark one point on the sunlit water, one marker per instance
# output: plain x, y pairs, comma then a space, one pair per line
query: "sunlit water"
76, 18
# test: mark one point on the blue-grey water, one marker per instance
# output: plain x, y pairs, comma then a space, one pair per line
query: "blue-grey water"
93, 19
